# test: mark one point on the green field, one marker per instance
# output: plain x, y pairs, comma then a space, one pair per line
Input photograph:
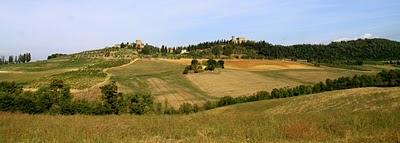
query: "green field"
79, 73
355, 115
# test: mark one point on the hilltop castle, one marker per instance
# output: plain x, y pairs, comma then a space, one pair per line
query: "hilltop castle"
238, 40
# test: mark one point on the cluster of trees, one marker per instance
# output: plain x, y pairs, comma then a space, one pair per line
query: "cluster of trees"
150, 50
347, 52
382, 79
210, 65
22, 58
55, 55
56, 98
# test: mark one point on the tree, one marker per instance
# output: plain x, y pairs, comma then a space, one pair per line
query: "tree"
211, 64
216, 51
111, 97
11, 59
227, 50
29, 58
141, 103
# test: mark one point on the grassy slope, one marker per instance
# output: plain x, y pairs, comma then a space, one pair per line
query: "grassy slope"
136, 78
311, 118
67, 68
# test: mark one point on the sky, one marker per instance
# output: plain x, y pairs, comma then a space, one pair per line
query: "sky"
43, 27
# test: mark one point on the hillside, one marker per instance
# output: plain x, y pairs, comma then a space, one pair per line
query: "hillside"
163, 78
347, 101
356, 115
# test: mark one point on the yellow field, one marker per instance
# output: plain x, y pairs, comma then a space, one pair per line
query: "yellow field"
236, 82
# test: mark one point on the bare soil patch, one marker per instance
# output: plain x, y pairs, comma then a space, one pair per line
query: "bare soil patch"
262, 65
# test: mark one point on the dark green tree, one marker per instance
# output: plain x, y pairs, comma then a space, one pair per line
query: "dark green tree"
111, 97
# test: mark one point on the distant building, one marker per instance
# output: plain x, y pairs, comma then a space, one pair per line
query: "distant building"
139, 44
238, 40
184, 51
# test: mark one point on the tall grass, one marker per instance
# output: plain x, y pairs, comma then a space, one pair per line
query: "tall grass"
203, 127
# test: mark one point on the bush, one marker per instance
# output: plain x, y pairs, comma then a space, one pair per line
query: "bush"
187, 108
90, 108
55, 98
210, 105
10, 87
226, 100
186, 71
141, 103
221, 64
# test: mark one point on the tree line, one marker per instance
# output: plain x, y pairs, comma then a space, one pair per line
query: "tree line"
21, 58
389, 78
345, 52
52, 56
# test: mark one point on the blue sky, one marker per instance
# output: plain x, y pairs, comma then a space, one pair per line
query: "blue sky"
43, 27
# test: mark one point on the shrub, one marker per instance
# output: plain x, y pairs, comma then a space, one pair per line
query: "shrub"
210, 105
226, 100
186, 71
141, 103
90, 108
54, 98
10, 87
221, 64
187, 108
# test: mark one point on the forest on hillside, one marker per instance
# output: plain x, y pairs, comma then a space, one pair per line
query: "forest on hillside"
343, 51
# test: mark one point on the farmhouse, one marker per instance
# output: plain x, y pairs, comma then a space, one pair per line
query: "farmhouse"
139, 44
184, 51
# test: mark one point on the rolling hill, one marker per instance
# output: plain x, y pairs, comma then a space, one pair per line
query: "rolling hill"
355, 115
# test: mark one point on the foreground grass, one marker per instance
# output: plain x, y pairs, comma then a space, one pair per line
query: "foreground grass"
245, 127
296, 119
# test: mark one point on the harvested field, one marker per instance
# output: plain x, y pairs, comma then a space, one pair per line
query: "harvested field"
163, 91
263, 65
236, 83
252, 65
310, 76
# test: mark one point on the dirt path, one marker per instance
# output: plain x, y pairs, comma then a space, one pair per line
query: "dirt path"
109, 74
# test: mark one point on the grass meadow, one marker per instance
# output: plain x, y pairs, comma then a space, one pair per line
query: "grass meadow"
250, 122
